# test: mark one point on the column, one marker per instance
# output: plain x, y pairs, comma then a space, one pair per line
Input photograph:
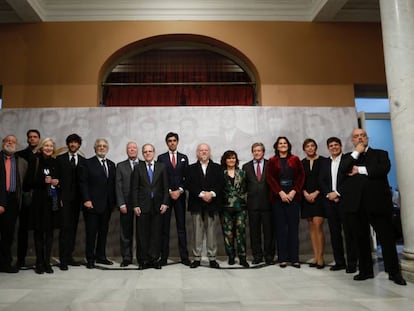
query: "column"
397, 18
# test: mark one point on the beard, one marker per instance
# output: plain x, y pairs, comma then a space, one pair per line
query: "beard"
10, 149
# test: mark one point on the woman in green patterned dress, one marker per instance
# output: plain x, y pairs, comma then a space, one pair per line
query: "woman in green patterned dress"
234, 209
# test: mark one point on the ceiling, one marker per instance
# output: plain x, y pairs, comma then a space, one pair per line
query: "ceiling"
30, 11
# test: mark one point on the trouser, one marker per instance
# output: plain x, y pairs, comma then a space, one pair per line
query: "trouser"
7, 225
234, 230
261, 222
203, 223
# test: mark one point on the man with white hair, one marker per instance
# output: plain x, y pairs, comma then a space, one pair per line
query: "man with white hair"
12, 171
97, 184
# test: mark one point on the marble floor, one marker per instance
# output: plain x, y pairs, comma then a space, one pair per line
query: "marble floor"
177, 287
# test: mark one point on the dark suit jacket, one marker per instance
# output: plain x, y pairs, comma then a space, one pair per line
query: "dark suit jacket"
123, 183
141, 188
372, 191
257, 191
95, 186
196, 182
175, 176
68, 181
21, 166
325, 176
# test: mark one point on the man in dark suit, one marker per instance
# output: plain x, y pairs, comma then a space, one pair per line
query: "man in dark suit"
12, 171
259, 207
149, 197
204, 181
368, 200
68, 174
97, 184
123, 201
329, 178
176, 164
33, 139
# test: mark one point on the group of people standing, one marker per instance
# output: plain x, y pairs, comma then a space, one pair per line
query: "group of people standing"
350, 190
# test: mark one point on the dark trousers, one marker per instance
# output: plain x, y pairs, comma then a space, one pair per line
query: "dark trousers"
261, 224
43, 246
337, 223
7, 224
23, 232
179, 210
287, 227
148, 236
96, 233
69, 224
382, 224
127, 234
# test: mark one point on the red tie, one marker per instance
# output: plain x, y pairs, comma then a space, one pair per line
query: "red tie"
258, 172
7, 165
173, 161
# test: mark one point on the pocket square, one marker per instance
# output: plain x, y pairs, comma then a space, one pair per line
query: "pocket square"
182, 160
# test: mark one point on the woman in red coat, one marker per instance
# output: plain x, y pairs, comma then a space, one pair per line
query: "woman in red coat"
285, 176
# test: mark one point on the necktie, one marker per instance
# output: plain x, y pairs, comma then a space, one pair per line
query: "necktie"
72, 161
134, 163
258, 172
173, 160
7, 164
105, 168
150, 172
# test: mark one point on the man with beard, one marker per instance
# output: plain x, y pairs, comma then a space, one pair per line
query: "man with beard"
68, 174
97, 184
12, 171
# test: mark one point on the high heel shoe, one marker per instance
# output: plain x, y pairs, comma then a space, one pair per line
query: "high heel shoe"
320, 266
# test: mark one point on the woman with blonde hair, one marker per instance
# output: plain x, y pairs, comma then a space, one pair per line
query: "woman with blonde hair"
41, 181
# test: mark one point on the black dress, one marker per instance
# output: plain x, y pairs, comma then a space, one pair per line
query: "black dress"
311, 184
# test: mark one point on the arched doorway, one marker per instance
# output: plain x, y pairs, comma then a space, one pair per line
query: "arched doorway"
178, 70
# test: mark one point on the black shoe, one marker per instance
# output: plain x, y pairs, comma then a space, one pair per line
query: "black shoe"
195, 264
231, 261
296, 265
156, 264
283, 264
48, 269
320, 267
351, 269
90, 265
141, 266
63, 267
256, 261
214, 264
39, 269
270, 262
125, 263
186, 262
397, 279
9, 269
337, 267
363, 276
104, 261
312, 265
74, 263
243, 262
164, 262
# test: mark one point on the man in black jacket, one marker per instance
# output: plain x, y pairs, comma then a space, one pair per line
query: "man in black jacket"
204, 181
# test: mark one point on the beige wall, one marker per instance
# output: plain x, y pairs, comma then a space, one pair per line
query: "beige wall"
297, 64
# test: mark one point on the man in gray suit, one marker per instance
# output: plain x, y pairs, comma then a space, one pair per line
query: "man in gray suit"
122, 185
259, 207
